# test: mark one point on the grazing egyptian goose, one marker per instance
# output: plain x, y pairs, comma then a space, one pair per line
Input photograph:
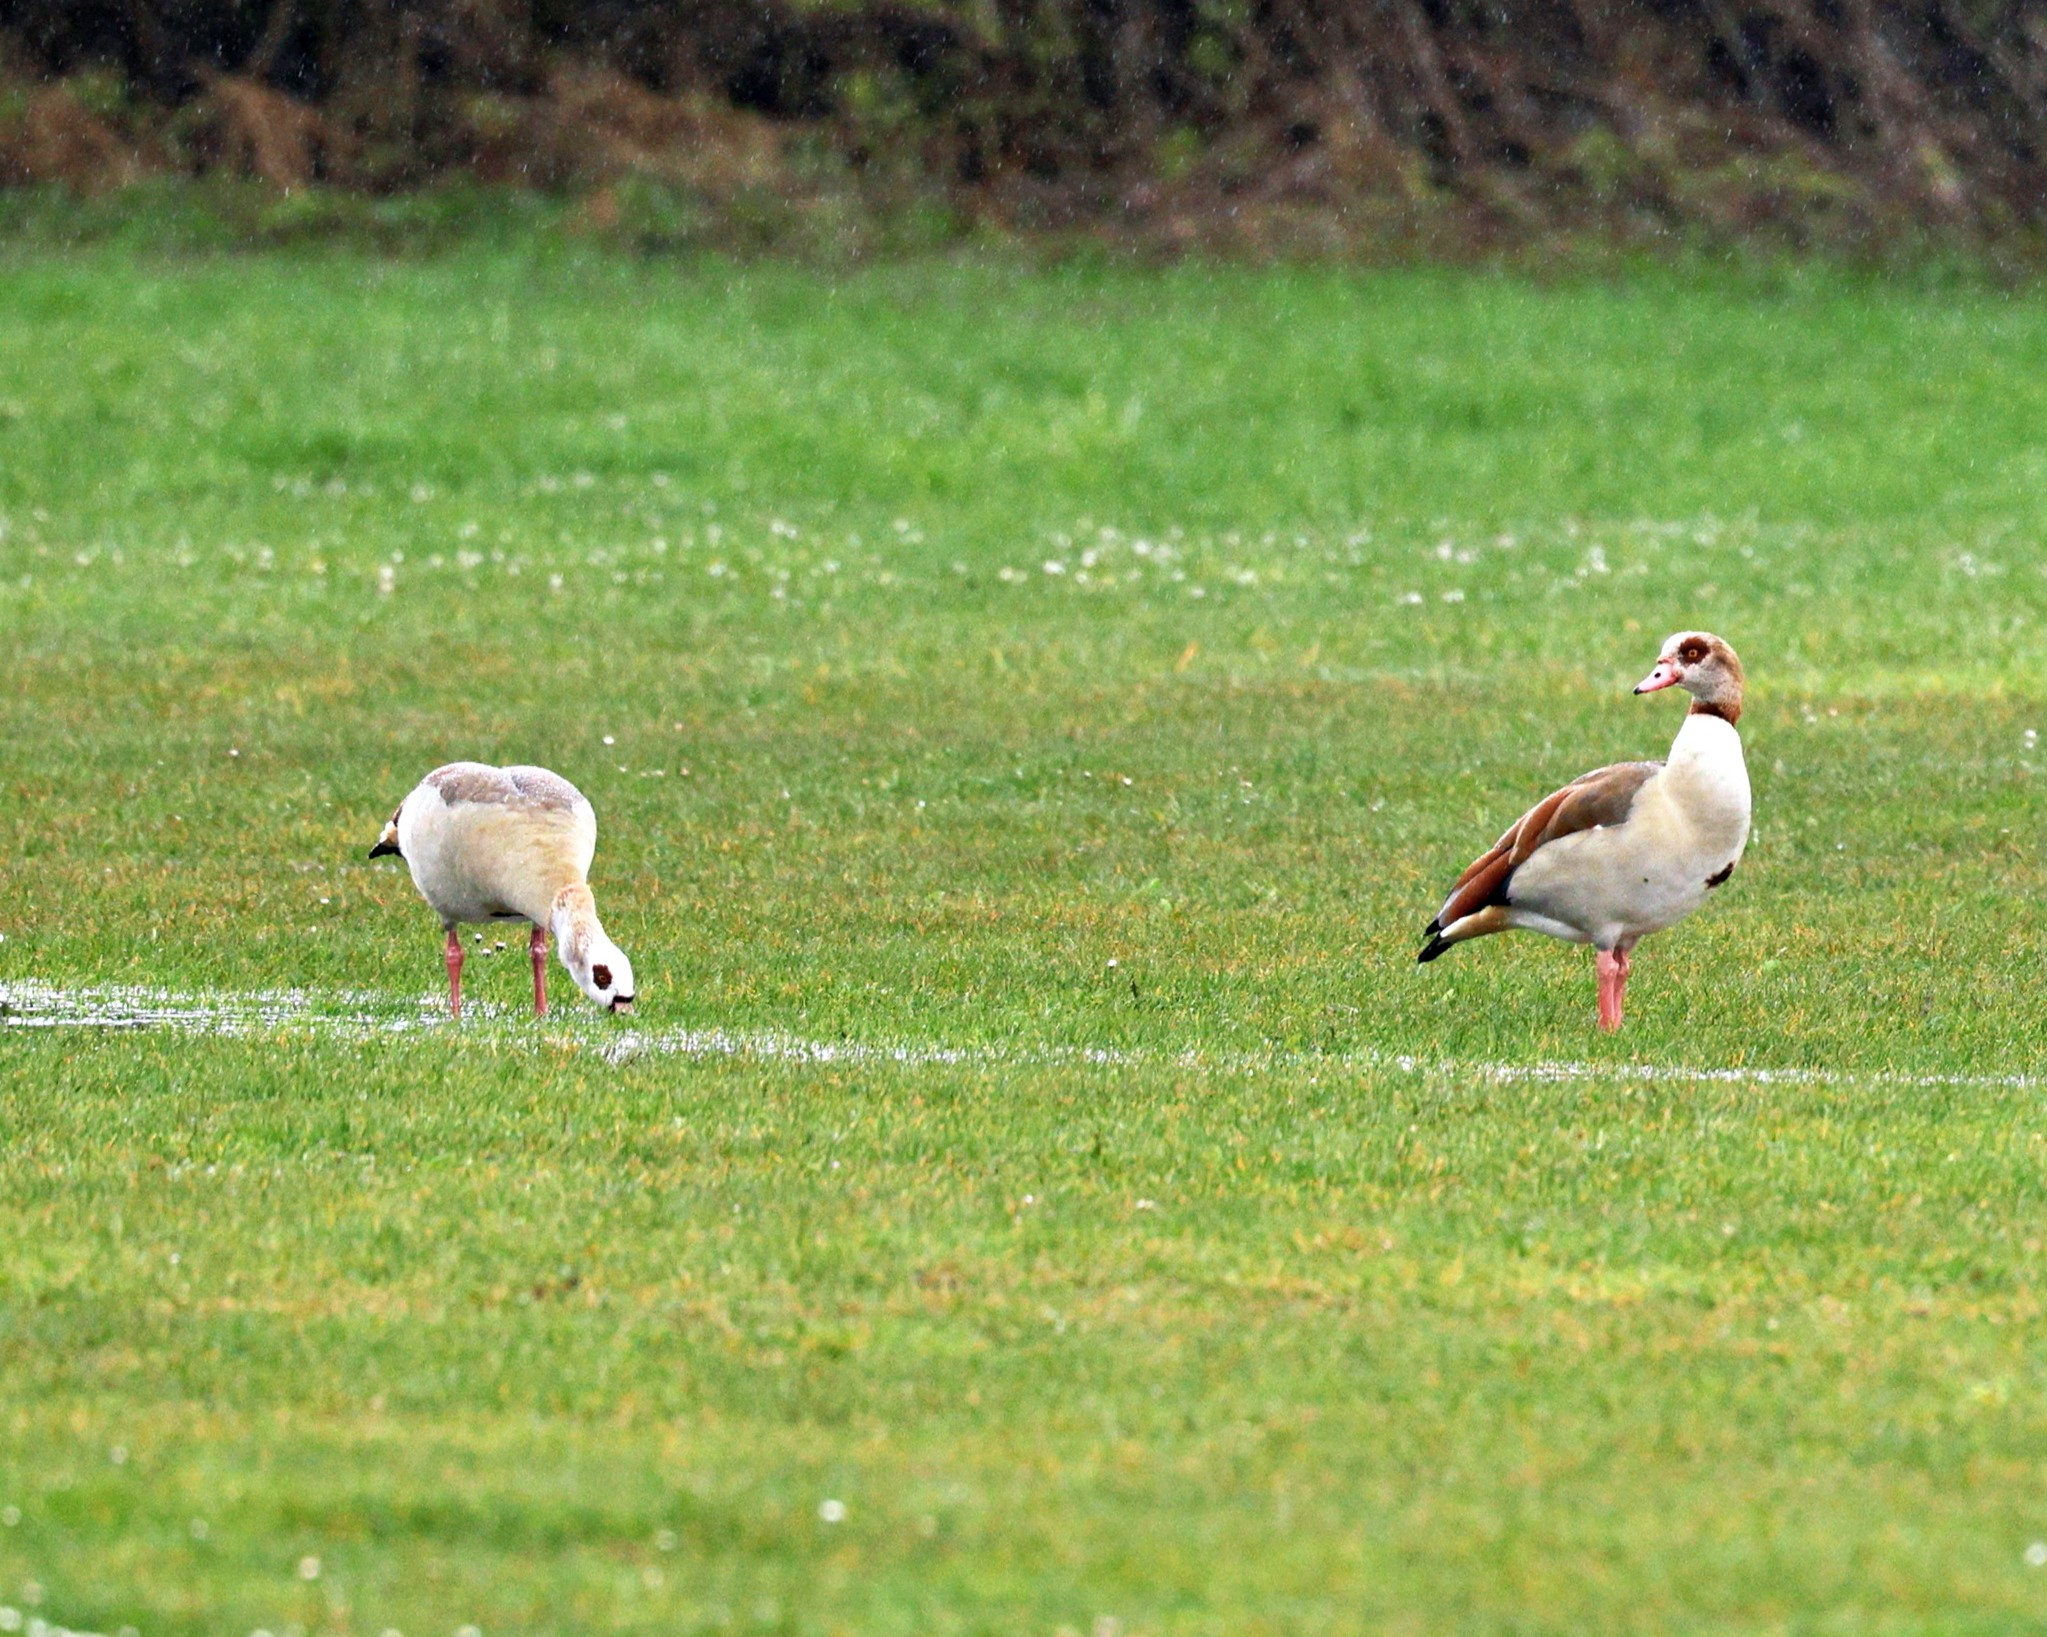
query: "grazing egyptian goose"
510, 844
1627, 850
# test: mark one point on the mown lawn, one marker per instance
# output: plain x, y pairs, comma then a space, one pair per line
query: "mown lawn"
1031, 714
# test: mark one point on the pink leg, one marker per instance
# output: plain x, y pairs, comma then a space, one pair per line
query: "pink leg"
1613, 981
538, 949
454, 972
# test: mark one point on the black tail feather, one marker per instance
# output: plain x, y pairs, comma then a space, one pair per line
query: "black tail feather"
1435, 946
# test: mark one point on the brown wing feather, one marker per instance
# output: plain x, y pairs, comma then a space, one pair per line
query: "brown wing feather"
503, 786
1601, 797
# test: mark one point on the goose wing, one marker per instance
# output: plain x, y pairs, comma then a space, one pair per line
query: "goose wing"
528, 787
1601, 798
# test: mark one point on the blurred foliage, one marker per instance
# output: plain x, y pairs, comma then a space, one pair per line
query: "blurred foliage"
1169, 123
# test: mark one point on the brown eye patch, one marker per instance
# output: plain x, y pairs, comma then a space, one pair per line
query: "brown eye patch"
1692, 652
601, 976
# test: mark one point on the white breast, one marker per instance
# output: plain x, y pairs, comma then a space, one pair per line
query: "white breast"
1707, 781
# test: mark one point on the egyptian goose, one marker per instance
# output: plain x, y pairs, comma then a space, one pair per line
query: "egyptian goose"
1627, 850
510, 844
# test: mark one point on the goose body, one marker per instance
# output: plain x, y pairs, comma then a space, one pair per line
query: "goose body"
1616, 882
510, 844
1627, 850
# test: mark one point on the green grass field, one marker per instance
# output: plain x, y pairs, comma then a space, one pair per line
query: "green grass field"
1031, 715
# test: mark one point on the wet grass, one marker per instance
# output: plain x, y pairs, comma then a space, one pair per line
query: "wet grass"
990, 669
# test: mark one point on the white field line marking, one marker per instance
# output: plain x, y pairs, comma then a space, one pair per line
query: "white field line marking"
33, 1005
359, 1016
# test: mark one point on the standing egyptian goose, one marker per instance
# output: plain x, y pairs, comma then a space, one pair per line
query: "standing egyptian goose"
510, 844
1627, 850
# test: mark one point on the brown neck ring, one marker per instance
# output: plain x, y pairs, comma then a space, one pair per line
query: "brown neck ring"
1730, 714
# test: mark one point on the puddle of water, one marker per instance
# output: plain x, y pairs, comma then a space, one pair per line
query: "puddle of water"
356, 1016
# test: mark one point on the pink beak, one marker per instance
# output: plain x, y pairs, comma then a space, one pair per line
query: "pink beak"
1664, 676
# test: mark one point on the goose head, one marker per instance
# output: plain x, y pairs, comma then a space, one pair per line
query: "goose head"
602, 972
1704, 666
598, 965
